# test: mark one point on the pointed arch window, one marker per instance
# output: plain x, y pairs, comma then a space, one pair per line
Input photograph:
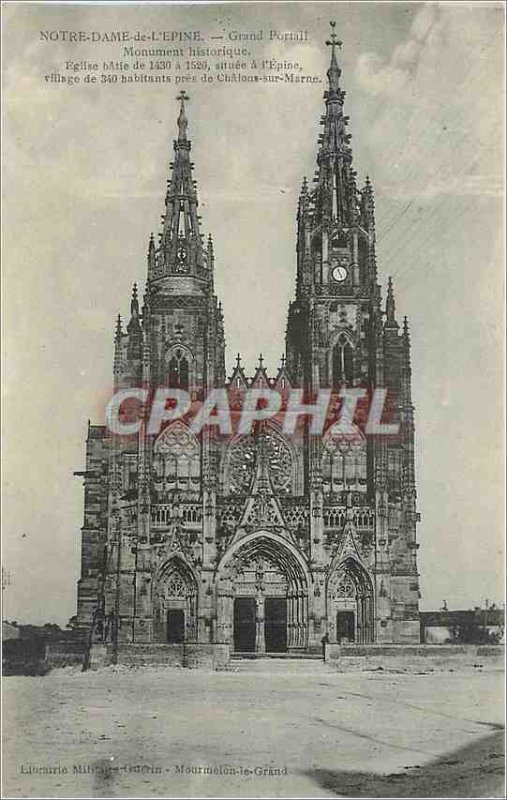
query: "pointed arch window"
176, 460
343, 361
179, 370
344, 465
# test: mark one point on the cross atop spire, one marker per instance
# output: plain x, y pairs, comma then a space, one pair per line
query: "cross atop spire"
334, 71
182, 118
333, 40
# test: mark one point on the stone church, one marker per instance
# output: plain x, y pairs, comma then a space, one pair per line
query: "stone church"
262, 542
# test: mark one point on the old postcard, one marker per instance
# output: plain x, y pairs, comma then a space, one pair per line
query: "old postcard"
253, 381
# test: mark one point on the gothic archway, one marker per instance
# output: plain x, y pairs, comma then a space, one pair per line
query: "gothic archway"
175, 598
262, 595
350, 603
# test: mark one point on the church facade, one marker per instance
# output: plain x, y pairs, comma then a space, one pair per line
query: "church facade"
261, 541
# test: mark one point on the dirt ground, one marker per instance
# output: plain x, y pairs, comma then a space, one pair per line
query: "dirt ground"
262, 730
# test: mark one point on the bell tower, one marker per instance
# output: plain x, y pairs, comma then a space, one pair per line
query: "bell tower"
176, 339
181, 321
337, 296
339, 335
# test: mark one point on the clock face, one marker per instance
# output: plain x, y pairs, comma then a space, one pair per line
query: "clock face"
339, 274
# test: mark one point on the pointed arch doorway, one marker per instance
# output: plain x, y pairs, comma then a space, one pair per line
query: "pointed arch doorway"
175, 603
350, 604
262, 597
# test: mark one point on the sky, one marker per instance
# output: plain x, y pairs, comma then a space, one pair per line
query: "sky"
84, 181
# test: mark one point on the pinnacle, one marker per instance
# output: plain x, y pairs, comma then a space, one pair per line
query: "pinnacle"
118, 328
390, 304
134, 303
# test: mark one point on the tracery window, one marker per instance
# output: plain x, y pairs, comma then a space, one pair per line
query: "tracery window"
240, 466
243, 458
344, 464
177, 586
176, 460
343, 361
345, 587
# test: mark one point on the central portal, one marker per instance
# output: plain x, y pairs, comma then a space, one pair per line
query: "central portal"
275, 624
262, 598
255, 630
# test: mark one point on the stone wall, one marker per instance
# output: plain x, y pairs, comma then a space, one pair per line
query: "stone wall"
66, 653
189, 655
337, 651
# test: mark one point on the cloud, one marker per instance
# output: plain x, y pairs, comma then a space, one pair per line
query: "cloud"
381, 77
440, 92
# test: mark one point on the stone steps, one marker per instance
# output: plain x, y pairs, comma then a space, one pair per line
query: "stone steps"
300, 664
292, 655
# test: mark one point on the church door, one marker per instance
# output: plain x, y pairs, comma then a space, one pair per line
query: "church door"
275, 624
244, 624
345, 626
175, 625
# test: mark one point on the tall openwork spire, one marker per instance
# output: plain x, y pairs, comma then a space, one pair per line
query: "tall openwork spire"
335, 177
335, 219
180, 250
